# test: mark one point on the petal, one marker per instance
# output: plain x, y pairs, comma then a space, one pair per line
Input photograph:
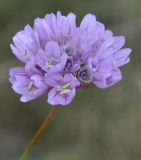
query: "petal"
105, 70
39, 82
105, 54
88, 23
25, 98
72, 21
66, 98
52, 23
52, 50
108, 34
43, 30
18, 53
122, 57
100, 30
115, 78
53, 80
18, 88
31, 70
108, 42
102, 82
51, 97
18, 40
14, 71
28, 97
60, 66
63, 27
99, 80
26, 42
40, 59
69, 78
19, 80
118, 43
55, 98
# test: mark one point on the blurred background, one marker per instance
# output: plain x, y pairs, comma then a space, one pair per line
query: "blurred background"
99, 124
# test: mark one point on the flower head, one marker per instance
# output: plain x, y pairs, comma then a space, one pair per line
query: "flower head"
59, 57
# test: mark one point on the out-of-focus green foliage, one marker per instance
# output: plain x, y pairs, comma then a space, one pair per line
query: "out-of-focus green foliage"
100, 124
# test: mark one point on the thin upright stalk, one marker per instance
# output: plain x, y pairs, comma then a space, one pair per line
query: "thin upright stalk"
44, 125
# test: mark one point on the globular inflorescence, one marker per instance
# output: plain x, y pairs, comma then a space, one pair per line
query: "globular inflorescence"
59, 57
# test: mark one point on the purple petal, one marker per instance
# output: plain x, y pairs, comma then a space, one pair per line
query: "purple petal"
31, 69
53, 79
88, 23
21, 55
115, 78
52, 49
122, 57
60, 66
107, 43
43, 31
16, 70
52, 97
99, 80
118, 43
72, 21
65, 99
39, 82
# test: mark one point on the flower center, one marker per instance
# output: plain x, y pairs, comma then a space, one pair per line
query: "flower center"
84, 75
68, 49
31, 87
26, 55
114, 63
49, 63
64, 89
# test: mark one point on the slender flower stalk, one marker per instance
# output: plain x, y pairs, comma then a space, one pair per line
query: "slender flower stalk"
44, 126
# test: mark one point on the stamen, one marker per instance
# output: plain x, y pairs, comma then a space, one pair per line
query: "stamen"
49, 63
114, 63
68, 49
26, 55
31, 87
66, 86
64, 89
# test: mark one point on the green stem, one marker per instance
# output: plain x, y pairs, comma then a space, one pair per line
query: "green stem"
44, 125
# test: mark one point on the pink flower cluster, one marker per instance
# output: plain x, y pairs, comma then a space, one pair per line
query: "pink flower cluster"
59, 57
